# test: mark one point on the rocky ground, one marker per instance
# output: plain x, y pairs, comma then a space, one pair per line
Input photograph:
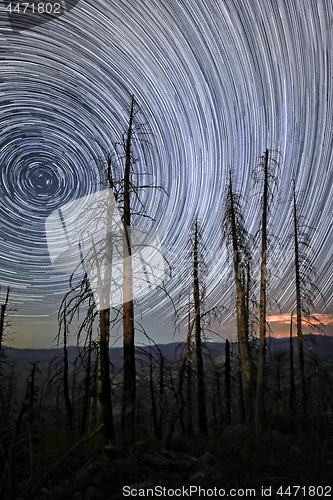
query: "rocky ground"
222, 465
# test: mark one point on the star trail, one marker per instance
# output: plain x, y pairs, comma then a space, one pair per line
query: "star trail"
215, 83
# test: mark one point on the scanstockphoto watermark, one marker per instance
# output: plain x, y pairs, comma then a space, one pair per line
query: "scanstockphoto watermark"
87, 236
199, 492
190, 491
23, 15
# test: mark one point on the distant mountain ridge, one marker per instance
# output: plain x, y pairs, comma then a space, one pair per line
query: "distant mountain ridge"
315, 345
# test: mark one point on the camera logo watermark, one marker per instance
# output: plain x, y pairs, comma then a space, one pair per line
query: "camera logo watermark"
87, 235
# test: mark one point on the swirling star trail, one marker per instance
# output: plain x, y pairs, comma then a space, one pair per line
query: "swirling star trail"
216, 81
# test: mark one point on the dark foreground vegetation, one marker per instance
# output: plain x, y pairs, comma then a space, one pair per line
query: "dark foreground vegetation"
46, 455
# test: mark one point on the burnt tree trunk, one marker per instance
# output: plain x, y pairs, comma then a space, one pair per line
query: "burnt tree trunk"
227, 376
260, 391
129, 386
241, 316
2, 317
189, 417
68, 405
292, 377
202, 416
175, 413
87, 387
299, 315
161, 395
153, 402
31, 393
104, 413
218, 394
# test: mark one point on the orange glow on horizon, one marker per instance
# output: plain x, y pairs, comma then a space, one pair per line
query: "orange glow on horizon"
322, 319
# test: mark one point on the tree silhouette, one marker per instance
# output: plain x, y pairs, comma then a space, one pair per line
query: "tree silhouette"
268, 177
197, 264
291, 362
2, 317
235, 234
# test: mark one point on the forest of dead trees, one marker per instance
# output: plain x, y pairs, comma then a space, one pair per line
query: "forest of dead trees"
152, 398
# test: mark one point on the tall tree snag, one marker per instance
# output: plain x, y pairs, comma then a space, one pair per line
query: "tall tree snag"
292, 378
234, 231
69, 410
298, 311
266, 174
189, 419
227, 378
104, 407
260, 394
202, 416
128, 399
175, 413
119, 179
87, 385
2, 317
104, 414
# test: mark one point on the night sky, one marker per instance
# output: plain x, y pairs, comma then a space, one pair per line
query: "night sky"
216, 82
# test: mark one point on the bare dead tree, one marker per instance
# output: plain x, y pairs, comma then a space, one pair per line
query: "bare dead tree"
189, 418
64, 369
197, 263
204, 319
31, 398
124, 187
260, 403
87, 381
306, 290
266, 171
292, 377
61, 380
215, 387
11, 469
116, 173
235, 234
2, 317
77, 301
161, 393
227, 378
298, 307
128, 400
157, 430
174, 414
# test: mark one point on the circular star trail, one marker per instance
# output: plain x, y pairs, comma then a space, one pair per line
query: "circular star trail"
215, 82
